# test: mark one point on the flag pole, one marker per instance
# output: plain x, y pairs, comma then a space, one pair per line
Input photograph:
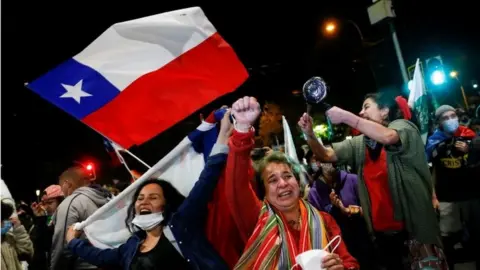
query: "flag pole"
137, 158
129, 171
161, 165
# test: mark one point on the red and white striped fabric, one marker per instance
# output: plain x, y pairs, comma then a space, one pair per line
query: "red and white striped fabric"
140, 77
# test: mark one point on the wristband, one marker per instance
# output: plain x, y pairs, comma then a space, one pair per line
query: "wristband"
242, 128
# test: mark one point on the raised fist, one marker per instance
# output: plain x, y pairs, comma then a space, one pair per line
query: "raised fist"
305, 124
246, 110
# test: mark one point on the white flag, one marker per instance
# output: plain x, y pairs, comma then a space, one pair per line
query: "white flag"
418, 101
181, 167
290, 150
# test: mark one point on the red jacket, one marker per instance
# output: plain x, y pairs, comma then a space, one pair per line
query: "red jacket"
220, 228
245, 206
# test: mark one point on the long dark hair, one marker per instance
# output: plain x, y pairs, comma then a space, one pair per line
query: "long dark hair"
387, 100
173, 200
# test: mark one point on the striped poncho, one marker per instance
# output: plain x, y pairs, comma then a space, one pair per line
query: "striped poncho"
272, 246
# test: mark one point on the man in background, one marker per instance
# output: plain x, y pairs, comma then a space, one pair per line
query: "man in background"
82, 198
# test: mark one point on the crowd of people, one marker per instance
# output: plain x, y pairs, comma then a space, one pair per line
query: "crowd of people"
381, 200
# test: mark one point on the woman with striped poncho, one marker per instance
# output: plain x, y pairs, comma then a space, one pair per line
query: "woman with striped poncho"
283, 226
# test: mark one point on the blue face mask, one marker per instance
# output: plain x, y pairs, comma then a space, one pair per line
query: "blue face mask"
7, 225
450, 125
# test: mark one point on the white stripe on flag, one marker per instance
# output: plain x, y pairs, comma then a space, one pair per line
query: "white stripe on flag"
164, 36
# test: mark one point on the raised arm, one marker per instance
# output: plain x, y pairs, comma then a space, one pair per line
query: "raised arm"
343, 152
241, 198
326, 154
373, 130
195, 205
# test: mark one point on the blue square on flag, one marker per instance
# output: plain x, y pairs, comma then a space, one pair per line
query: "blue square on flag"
75, 88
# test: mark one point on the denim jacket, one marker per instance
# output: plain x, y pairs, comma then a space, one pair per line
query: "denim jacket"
187, 226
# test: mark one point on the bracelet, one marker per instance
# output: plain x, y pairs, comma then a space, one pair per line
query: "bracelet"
243, 128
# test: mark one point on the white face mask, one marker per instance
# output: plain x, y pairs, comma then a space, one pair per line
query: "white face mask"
311, 259
148, 222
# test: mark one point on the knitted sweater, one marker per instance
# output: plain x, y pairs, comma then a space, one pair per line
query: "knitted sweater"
16, 242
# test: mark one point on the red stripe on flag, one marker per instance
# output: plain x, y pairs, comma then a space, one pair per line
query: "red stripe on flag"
158, 100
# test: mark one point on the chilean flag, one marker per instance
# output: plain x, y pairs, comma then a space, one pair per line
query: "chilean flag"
181, 167
140, 77
113, 152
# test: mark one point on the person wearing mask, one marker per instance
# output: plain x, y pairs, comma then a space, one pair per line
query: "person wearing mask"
282, 226
335, 192
394, 181
15, 239
330, 182
456, 169
167, 228
83, 198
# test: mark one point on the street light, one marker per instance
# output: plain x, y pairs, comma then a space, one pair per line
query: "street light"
37, 192
454, 75
330, 27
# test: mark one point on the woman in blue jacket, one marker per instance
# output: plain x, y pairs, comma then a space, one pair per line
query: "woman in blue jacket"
169, 231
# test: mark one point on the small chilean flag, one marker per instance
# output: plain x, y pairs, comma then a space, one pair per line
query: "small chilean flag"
113, 151
140, 77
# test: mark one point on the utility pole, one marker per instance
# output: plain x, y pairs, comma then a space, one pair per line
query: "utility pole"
382, 10
398, 51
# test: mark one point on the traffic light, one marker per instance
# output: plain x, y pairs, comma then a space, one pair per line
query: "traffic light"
436, 70
90, 168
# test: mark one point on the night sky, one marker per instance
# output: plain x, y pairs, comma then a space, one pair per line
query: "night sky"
281, 45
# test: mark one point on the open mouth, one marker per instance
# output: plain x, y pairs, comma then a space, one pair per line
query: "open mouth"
145, 212
285, 194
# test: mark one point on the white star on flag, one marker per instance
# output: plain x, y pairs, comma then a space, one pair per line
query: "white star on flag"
75, 91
